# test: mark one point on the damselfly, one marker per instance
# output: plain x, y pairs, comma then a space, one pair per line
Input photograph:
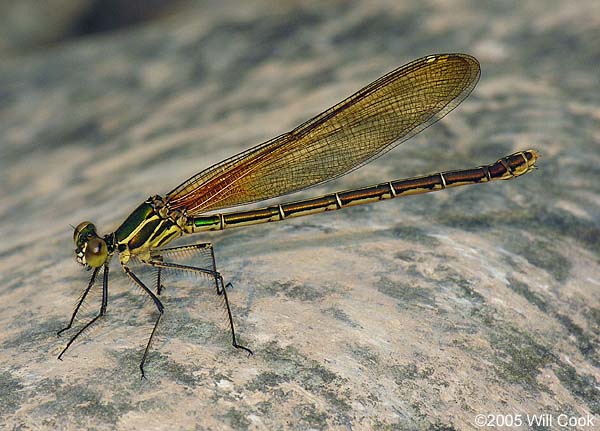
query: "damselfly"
343, 138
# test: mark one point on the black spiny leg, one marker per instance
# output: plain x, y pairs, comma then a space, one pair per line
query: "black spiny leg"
159, 307
181, 250
158, 262
159, 285
102, 307
81, 300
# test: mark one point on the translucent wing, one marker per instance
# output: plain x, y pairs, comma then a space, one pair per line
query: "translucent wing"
350, 134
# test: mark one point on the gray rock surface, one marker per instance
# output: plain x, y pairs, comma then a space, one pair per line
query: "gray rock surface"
419, 313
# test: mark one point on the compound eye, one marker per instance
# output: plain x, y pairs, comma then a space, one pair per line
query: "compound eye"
84, 226
96, 252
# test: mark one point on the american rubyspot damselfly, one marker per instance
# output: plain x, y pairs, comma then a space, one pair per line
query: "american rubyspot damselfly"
343, 138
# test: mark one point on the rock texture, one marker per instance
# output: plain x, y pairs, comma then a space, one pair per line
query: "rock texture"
419, 313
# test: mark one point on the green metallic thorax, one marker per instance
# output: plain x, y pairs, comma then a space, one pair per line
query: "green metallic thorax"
151, 225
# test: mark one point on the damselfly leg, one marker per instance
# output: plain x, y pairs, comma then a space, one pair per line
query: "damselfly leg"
102, 312
159, 307
81, 301
159, 262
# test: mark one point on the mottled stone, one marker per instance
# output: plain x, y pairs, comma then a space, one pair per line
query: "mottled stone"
419, 313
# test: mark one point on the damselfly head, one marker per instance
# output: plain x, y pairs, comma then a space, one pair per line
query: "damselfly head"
90, 249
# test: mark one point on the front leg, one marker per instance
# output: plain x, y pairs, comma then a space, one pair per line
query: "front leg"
98, 316
81, 301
